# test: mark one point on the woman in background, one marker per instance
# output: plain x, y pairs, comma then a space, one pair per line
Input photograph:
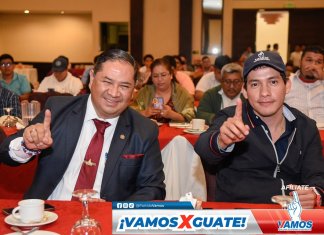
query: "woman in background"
164, 100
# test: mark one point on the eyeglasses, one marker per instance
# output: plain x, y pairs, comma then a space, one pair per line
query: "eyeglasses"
5, 65
234, 82
162, 75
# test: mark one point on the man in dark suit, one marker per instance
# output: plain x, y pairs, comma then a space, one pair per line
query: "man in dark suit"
223, 95
130, 165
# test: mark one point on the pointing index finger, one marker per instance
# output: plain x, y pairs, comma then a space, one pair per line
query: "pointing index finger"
47, 119
238, 109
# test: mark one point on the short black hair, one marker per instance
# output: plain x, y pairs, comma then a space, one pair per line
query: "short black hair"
115, 55
7, 56
221, 60
148, 56
171, 60
313, 48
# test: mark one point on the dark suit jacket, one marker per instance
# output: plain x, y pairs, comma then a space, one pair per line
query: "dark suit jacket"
133, 170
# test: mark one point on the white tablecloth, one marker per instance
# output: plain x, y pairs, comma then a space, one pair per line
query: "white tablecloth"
183, 170
31, 74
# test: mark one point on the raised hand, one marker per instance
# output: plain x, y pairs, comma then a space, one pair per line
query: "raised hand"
233, 129
38, 136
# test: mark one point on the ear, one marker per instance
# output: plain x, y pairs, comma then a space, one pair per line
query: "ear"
91, 78
244, 92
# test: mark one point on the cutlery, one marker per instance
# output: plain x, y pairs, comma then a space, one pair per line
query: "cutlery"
16, 229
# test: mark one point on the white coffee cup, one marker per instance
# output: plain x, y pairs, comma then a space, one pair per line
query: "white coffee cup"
30, 211
198, 124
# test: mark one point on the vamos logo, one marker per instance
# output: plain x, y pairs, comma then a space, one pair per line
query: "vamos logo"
295, 224
182, 222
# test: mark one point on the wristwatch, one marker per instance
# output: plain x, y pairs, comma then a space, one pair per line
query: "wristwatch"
318, 199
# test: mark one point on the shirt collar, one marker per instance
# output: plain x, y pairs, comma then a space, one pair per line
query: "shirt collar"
91, 114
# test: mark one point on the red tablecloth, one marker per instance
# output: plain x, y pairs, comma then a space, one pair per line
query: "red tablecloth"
68, 213
166, 134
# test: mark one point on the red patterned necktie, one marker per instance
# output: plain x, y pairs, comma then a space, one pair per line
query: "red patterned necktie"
90, 164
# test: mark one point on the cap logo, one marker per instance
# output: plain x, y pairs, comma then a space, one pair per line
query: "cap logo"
58, 63
261, 57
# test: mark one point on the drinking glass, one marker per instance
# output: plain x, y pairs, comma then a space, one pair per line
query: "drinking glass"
9, 121
282, 200
85, 225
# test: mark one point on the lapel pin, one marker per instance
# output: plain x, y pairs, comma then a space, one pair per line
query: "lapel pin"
122, 136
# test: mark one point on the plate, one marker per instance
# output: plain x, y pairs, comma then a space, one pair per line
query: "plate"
180, 124
49, 217
37, 232
193, 131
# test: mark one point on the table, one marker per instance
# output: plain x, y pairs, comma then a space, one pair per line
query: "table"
31, 74
182, 166
68, 213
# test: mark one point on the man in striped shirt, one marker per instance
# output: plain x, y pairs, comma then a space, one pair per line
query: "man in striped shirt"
8, 99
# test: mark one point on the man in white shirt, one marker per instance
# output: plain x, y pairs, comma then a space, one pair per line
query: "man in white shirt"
295, 56
307, 85
129, 164
61, 80
211, 79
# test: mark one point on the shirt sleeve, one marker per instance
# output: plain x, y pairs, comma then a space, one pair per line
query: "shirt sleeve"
16, 152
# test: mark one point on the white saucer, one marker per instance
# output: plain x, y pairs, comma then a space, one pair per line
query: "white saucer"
37, 232
49, 217
193, 131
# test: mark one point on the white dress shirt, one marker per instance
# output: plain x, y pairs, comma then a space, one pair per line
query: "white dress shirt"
64, 189
226, 101
207, 82
307, 97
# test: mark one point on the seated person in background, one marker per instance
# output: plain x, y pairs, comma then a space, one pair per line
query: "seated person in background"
85, 79
211, 79
289, 68
201, 70
182, 77
307, 85
15, 82
145, 71
122, 160
178, 103
61, 80
263, 147
222, 96
8, 99
185, 65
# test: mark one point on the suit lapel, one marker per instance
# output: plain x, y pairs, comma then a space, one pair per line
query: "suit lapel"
74, 123
120, 138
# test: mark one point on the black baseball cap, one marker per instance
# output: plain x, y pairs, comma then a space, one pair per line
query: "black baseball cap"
267, 58
59, 64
